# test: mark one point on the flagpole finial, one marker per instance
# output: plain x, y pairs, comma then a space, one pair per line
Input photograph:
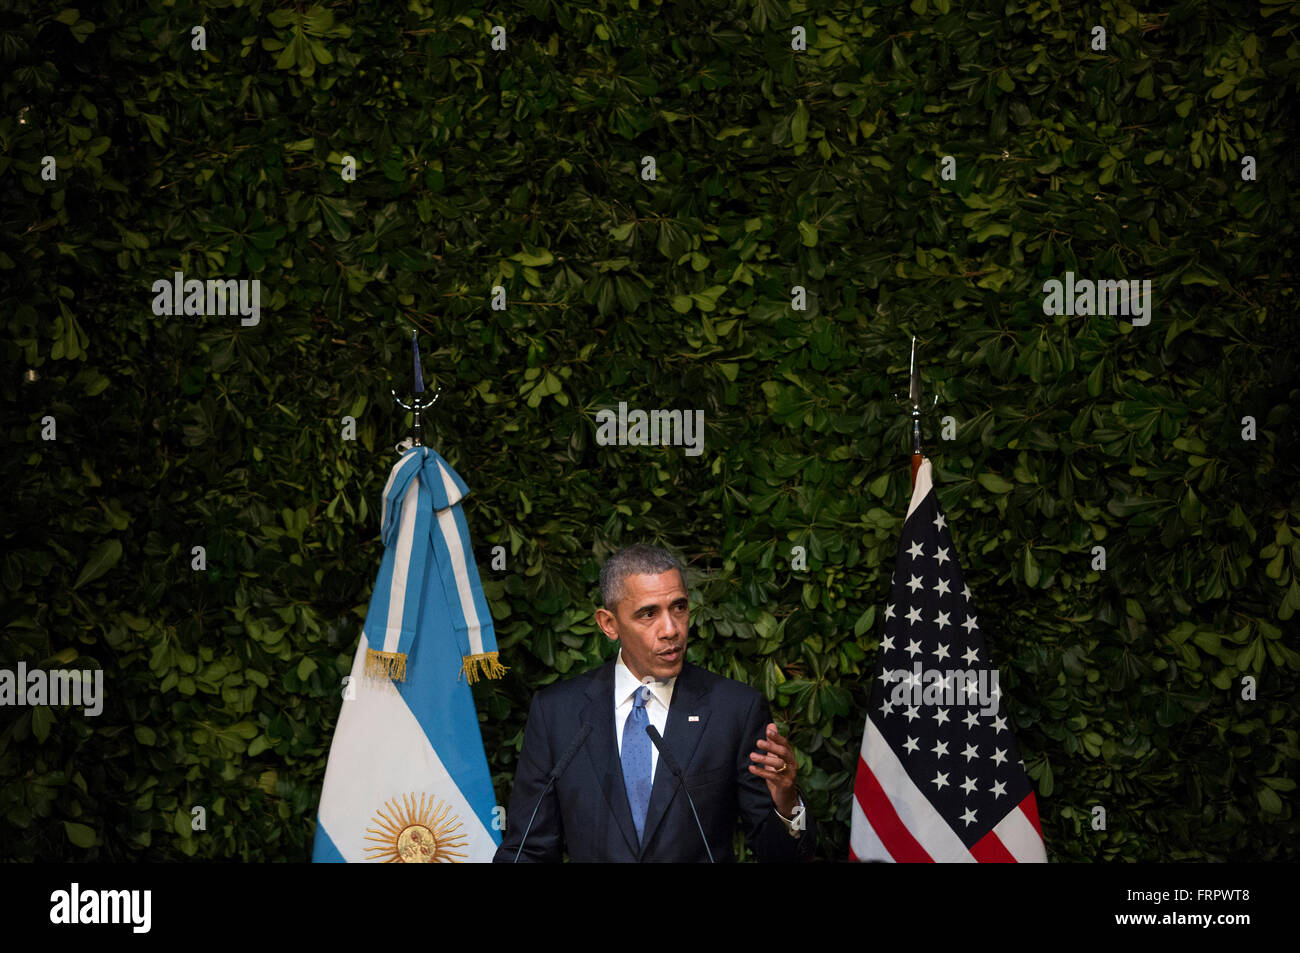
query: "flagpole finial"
913, 379
916, 408
418, 403
418, 377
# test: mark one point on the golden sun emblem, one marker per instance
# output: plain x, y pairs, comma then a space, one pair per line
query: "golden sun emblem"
411, 835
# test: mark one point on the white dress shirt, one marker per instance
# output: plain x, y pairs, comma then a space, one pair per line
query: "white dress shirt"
656, 706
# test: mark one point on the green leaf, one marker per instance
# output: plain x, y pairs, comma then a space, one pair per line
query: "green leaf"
1268, 800
1194, 276
1290, 602
992, 230
1208, 641
1168, 713
799, 124
1095, 379
994, 483
79, 834
244, 729
42, 719
1030, 568
102, 558
534, 258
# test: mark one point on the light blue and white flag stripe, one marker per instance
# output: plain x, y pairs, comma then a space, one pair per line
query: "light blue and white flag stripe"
398, 740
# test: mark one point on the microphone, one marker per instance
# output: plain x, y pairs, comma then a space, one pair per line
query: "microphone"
551, 779
676, 769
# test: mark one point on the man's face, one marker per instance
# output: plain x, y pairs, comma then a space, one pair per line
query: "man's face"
651, 622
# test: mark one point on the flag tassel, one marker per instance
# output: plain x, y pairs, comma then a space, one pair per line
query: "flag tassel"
390, 665
485, 665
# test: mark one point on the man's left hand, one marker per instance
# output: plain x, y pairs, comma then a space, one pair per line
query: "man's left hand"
774, 763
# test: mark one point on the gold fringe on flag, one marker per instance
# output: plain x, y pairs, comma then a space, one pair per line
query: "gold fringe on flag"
390, 665
486, 665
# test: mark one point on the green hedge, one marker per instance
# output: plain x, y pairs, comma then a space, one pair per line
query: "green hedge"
523, 168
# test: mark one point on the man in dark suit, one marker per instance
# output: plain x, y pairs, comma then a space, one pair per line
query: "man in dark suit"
617, 799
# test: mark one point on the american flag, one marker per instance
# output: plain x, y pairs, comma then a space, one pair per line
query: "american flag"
940, 777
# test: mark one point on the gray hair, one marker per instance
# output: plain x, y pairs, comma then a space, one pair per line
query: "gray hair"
635, 560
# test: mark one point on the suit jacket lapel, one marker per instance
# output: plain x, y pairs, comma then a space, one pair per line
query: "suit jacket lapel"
681, 737
602, 749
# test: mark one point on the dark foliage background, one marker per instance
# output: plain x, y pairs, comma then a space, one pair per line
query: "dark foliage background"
522, 168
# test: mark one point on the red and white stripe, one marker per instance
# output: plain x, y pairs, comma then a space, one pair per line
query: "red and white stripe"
893, 820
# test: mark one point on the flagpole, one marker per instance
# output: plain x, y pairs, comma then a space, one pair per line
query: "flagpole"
914, 399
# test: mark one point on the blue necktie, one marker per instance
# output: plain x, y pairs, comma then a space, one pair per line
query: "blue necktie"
636, 759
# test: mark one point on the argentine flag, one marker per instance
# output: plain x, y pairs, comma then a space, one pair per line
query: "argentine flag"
407, 780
